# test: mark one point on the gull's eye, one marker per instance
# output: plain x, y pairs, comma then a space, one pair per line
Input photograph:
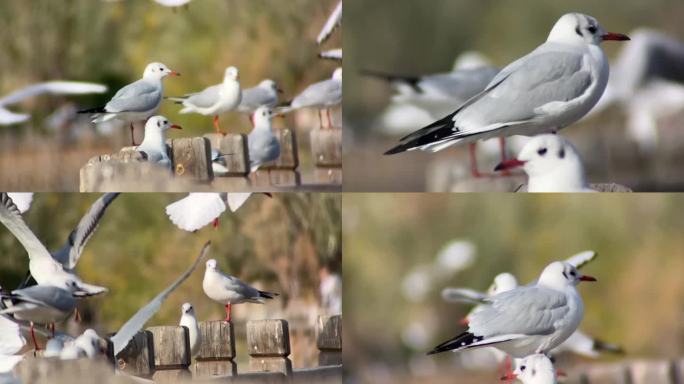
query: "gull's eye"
522, 368
573, 274
542, 151
561, 153
161, 69
166, 122
591, 29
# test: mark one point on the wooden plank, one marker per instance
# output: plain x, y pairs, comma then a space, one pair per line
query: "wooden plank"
234, 149
54, 370
328, 176
137, 359
171, 347
289, 157
326, 147
329, 332
218, 368
217, 340
264, 178
268, 338
120, 176
191, 157
270, 364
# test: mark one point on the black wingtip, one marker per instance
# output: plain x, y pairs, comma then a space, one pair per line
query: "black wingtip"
93, 110
461, 341
398, 149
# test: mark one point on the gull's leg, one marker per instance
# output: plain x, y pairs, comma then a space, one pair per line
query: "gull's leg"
473, 161
508, 371
132, 136
330, 124
502, 149
216, 223
77, 315
52, 329
320, 119
216, 124
251, 119
33, 336
228, 312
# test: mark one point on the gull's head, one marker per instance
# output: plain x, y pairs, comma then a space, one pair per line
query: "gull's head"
231, 74
160, 123
560, 274
548, 155
535, 369
211, 264
337, 75
270, 85
158, 71
90, 333
578, 28
187, 309
72, 286
262, 115
503, 282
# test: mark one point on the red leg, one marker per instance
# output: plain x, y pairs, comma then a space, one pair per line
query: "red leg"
330, 124
33, 336
77, 315
508, 376
320, 119
473, 160
132, 136
251, 120
216, 124
502, 149
216, 223
227, 312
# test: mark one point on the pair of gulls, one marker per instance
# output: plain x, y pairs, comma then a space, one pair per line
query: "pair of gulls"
523, 321
548, 89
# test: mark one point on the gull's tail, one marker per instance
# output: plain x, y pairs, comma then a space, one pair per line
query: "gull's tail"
410, 80
177, 100
267, 295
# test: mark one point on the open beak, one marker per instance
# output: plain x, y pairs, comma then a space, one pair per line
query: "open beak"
176, 126
615, 36
174, 73
509, 164
510, 376
587, 278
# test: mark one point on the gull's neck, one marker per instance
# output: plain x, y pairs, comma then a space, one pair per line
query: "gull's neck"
568, 177
154, 138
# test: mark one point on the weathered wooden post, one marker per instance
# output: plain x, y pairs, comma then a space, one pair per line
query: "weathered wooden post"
191, 157
234, 150
329, 339
652, 371
217, 350
54, 370
171, 351
269, 346
607, 373
326, 150
137, 358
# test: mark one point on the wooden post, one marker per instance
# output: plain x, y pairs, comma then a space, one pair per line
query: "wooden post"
191, 156
136, 359
326, 147
269, 346
329, 339
217, 350
171, 351
54, 370
275, 178
645, 371
234, 149
607, 373
289, 157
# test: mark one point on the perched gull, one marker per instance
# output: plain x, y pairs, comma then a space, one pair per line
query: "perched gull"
229, 290
11, 342
154, 143
264, 94
544, 91
198, 209
137, 101
189, 321
214, 100
138, 320
534, 369
334, 21
43, 266
552, 164
22, 200
529, 319
51, 87
323, 95
264, 146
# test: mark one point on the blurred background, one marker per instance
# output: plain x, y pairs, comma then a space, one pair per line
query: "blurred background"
401, 250
111, 42
289, 244
635, 140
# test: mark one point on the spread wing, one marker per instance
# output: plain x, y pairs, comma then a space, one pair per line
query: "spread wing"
11, 218
581, 259
195, 210
236, 200
53, 87
22, 200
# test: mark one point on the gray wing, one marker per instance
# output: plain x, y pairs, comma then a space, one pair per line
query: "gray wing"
11, 218
69, 254
236, 285
48, 296
524, 310
206, 98
263, 147
460, 85
326, 91
135, 323
139, 96
581, 259
254, 98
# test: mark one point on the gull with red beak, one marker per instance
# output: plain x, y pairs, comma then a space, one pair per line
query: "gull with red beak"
552, 164
154, 143
529, 319
137, 101
548, 89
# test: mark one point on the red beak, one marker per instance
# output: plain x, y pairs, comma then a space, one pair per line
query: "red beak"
176, 126
510, 376
615, 36
509, 164
587, 278
464, 321
174, 73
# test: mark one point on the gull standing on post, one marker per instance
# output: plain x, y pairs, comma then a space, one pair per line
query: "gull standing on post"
526, 320
263, 145
323, 95
154, 143
544, 91
230, 290
552, 164
137, 101
214, 100
189, 320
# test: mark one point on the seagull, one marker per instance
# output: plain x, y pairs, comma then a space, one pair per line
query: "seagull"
137, 321
154, 142
214, 100
51, 87
85, 345
229, 290
264, 94
534, 369
334, 21
263, 145
22, 200
137, 101
45, 268
323, 95
198, 209
332, 54
11, 342
529, 319
189, 321
552, 164
544, 91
